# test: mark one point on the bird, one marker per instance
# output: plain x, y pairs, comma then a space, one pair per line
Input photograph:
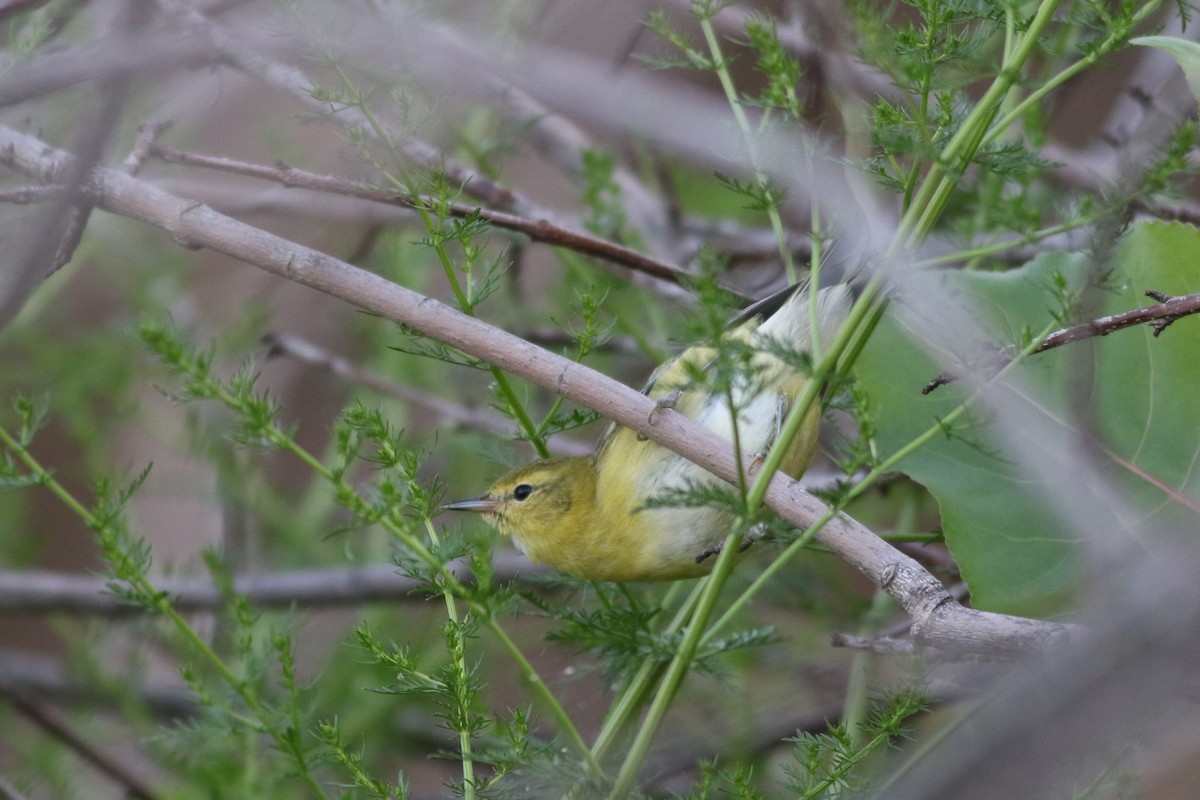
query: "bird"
592, 517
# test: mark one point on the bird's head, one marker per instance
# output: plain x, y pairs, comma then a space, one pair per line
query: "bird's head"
539, 502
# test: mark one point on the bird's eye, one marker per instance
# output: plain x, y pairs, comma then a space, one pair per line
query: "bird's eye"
522, 491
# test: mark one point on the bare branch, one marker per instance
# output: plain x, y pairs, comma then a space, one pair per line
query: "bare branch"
56, 592
538, 230
1157, 316
147, 134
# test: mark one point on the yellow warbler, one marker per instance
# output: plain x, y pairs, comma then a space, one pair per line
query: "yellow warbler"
587, 516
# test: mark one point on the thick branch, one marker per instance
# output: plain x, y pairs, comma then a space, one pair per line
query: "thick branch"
938, 618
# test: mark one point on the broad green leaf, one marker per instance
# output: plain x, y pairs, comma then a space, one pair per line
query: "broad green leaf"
1185, 53
1134, 395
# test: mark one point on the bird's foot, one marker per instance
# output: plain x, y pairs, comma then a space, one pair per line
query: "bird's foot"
666, 401
716, 549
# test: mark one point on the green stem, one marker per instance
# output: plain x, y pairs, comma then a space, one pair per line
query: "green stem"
450, 583
1000, 247
860, 317
539, 687
858, 699
928, 744
678, 668
704, 17
406, 186
1115, 38
634, 694
503, 385
930, 199
823, 370
458, 653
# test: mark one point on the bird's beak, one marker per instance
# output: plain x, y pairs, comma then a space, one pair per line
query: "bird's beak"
483, 503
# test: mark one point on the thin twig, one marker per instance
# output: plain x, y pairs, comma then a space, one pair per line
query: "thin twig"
884, 645
539, 230
894, 638
1171, 212
147, 134
1159, 317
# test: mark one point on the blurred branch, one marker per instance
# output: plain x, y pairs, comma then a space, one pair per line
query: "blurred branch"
1172, 212
118, 55
58, 728
56, 592
46, 678
295, 82
61, 225
563, 143
828, 54
13, 7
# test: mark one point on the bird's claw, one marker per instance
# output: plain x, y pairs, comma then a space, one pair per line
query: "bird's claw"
666, 401
716, 549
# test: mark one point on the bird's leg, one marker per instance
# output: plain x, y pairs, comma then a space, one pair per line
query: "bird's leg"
756, 533
666, 401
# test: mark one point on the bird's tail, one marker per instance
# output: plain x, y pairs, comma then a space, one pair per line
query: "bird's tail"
792, 324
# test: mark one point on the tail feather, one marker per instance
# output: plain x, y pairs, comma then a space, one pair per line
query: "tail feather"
791, 322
